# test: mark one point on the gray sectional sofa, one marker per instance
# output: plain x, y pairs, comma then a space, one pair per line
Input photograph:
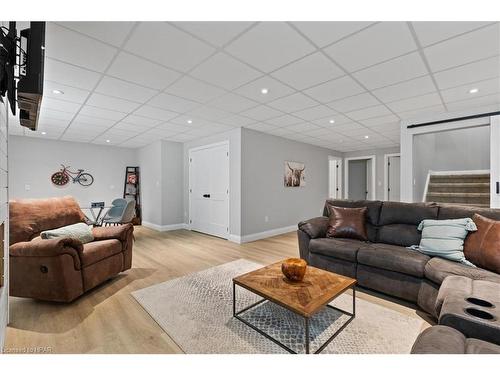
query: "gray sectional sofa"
384, 263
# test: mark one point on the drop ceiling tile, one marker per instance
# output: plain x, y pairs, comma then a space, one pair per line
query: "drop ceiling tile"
270, 45
477, 102
292, 103
253, 89
324, 33
172, 103
429, 32
334, 90
209, 113
69, 46
303, 127
59, 105
70, 94
121, 89
261, 113
422, 112
417, 102
161, 133
354, 102
309, 71
108, 102
233, 103
261, 127
82, 120
388, 129
486, 87
56, 115
60, 72
319, 132
464, 49
173, 127
129, 127
284, 120
142, 121
376, 121
414, 87
134, 69
315, 113
393, 71
378, 43
163, 43
224, 71
338, 120
101, 113
194, 90
182, 137
216, 33
52, 124
469, 73
109, 32
237, 121
366, 113
155, 113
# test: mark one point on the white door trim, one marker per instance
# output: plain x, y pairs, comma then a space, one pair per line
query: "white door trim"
339, 182
211, 145
386, 173
494, 161
373, 158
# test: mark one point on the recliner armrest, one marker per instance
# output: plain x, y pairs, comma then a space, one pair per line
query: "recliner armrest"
48, 248
119, 232
315, 227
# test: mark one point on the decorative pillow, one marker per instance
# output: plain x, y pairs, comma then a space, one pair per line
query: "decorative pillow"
80, 231
347, 223
483, 247
445, 238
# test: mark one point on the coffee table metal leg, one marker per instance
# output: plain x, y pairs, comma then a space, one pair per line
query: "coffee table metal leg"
353, 301
307, 335
234, 299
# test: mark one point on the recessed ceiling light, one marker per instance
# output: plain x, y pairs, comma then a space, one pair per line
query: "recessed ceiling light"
57, 92
189, 121
107, 141
332, 121
43, 133
367, 136
473, 91
264, 91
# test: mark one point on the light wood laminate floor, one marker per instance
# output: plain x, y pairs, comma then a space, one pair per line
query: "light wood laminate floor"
109, 320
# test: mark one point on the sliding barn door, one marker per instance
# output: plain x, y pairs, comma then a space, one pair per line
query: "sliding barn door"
209, 190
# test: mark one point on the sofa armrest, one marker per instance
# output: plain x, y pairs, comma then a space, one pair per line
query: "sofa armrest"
48, 248
316, 227
120, 232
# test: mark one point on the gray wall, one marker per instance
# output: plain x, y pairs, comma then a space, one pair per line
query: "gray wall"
172, 183
150, 161
456, 150
4, 291
32, 161
262, 188
379, 169
234, 138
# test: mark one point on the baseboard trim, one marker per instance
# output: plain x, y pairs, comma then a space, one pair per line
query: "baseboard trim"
164, 228
262, 235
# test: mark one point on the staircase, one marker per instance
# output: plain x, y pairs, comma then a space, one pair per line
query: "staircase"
466, 189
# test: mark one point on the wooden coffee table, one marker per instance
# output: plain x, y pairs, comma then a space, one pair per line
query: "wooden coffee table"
304, 298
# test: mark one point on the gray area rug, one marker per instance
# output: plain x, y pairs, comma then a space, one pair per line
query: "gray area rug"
196, 312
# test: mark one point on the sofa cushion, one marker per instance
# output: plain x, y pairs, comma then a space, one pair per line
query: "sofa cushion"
347, 222
448, 211
437, 269
393, 258
96, 251
439, 340
406, 213
373, 212
340, 248
399, 234
483, 246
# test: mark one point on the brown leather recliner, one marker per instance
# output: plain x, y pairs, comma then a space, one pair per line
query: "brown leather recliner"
61, 269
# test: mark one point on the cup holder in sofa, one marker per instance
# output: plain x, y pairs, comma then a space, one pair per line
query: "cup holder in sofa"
479, 302
481, 314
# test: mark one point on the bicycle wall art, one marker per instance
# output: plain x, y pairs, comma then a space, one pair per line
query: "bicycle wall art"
64, 175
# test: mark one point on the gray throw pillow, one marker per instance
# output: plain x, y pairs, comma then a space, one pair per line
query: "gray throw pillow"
80, 231
445, 238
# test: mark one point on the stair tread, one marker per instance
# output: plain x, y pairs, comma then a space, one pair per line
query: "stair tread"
457, 184
465, 195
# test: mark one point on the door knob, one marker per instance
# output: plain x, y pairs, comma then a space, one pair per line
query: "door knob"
206, 195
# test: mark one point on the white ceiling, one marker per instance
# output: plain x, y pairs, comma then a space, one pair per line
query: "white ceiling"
134, 83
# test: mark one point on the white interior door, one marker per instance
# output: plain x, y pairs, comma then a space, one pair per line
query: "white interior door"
209, 190
393, 178
335, 173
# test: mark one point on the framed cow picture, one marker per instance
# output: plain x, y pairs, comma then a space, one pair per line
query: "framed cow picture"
294, 174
